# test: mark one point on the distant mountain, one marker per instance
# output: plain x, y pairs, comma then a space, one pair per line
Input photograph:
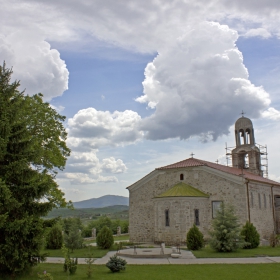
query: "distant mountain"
103, 201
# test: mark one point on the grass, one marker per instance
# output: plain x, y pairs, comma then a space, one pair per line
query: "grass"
207, 252
84, 252
167, 272
81, 253
116, 238
121, 237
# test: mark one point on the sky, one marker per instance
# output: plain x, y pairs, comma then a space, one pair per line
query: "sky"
144, 84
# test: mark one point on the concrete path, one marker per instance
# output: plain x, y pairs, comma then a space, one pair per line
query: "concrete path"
186, 258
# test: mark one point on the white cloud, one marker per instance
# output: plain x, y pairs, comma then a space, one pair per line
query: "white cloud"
271, 114
59, 108
37, 66
113, 166
133, 24
83, 178
199, 84
92, 128
86, 168
258, 32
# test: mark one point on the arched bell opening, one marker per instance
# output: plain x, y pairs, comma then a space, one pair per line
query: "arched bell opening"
242, 137
248, 136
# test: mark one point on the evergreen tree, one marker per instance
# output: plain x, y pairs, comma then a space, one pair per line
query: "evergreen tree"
251, 236
32, 148
226, 231
104, 238
194, 238
73, 240
55, 238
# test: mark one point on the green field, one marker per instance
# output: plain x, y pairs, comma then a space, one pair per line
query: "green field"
241, 253
166, 272
113, 212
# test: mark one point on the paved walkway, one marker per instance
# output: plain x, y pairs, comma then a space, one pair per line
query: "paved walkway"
186, 258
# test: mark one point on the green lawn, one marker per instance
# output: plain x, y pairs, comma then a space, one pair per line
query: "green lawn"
81, 253
166, 272
116, 238
121, 237
207, 252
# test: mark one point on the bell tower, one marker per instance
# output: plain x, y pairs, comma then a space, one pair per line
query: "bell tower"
246, 155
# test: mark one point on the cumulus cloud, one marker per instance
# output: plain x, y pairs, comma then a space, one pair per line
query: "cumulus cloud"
198, 84
35, 64
111, 165
86, 168
271, 113
134, 24
90, 128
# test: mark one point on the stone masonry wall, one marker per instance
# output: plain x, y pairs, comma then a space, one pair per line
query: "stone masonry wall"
261, 208
181, 213
143, 214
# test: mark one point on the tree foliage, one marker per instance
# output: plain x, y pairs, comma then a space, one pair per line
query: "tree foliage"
55, 238
105, 238
251, 236
105, 221
194, 238
226, 230
116, 264
73, 240
32, 150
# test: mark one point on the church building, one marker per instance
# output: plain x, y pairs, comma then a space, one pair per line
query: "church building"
166, 203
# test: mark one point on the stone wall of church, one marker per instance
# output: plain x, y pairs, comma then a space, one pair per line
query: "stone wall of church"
181, 216
261, 208
143, 213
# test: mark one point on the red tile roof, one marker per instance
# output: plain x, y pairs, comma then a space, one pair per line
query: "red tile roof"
193, 162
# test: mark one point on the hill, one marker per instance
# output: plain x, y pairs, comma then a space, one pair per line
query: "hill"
103, 201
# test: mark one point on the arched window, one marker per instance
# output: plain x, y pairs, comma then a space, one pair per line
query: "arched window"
264, 200
167, 217
181, 177
269, 197
260, 203
252, 200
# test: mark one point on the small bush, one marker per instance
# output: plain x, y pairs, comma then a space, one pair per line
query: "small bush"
116, 264
274, 240
194, 238
89, 262
45, 276
251, 236
54, 239
105, 238
70, 265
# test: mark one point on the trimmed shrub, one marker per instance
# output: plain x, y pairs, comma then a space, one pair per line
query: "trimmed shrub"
225, 236
54, 238
194, 238
116, 264
104, 238
251, 236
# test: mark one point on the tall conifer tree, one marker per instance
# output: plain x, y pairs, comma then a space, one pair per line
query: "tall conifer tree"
32, 149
